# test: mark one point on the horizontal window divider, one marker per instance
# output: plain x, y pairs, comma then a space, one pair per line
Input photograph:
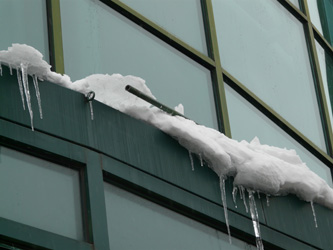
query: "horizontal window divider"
322, 41
32, 236
294, 10
161, 33
277, 119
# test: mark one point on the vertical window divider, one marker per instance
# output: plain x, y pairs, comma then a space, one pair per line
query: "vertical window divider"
326, 123
55, 36
216, 72
96, 201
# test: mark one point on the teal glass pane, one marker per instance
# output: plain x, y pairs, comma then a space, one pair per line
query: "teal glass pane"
264, 47
181, 18
326, 69
242, 112
39, 193
24, 22
106, 42
136, 223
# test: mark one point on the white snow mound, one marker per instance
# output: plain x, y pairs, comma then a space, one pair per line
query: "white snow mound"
258, 167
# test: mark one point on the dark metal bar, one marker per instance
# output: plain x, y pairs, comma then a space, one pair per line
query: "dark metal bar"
153, 102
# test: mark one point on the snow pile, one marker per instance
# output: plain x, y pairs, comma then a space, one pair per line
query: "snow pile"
24, 55
255, 167
103, 85
258, 167
263, 168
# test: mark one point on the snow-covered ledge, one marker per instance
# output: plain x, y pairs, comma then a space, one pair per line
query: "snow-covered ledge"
255, 167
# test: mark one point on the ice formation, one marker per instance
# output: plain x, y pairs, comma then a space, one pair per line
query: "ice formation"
29, 61
255, 167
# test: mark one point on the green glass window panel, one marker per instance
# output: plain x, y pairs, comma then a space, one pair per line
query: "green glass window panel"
242, 112
264, 47
181, 18
326, 69
106, 42
39, 193
24, 22
136, 223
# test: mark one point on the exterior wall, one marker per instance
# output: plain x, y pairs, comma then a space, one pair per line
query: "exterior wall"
116, 149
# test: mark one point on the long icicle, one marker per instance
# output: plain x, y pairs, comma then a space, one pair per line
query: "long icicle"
19, 81
191, 160
0, 69
38, 96
242, 195
224, 203
27, 92
255, 220
314, 214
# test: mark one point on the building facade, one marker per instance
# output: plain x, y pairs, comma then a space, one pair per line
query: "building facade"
246, 68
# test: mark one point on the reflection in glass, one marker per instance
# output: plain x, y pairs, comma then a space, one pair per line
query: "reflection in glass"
241, 112
24, 22
136, 223
326, 69
264, 47
106, 42
40, 194
181, 18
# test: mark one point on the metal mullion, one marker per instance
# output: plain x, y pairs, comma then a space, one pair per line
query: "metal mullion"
55, 36
276, 118
216, 73
327, 128
161, 33
322, 41
98, 229
297, 13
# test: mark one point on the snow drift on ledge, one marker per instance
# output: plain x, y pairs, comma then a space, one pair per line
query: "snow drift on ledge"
256, 167
264, 168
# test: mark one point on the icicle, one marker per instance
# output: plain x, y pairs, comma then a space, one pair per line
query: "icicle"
255, 220
0, 69
19, 80
224, 202
242, 195
10, 69
91, 110
38, 96
267, 200
314, 214
27, 92
234, 195
201, 160
258, 195
191, 160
